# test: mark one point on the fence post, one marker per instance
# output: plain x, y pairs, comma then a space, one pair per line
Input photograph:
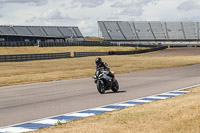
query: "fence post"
72, 54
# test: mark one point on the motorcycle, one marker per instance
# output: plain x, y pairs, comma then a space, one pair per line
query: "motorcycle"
105, 82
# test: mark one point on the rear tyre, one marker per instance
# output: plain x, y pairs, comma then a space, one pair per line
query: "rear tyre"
100, 87
115, 87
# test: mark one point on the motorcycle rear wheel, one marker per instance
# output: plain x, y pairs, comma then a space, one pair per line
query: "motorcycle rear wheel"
100, 87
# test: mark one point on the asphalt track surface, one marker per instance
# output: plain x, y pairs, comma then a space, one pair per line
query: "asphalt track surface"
22, 103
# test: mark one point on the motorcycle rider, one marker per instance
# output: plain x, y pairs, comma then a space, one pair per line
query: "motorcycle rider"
103, 66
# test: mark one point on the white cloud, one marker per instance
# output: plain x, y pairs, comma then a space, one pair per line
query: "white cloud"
131, 8
88, 3
189, 5
113, 17
54, 15
88, 26
165, 10
36, 2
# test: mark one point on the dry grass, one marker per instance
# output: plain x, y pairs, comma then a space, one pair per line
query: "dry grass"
12, 73
90, 38
175, 115
32, 50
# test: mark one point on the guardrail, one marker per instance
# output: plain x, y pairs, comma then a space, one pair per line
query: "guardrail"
84, 43
97, 43
84, 54
16, 44
136, 51
65, 44
56, 44
181, 45
29, 57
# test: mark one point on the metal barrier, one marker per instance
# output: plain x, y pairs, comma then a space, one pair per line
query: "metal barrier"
84, 54
99, 43
57, 44
29, 57
16, 44
137, 51
84, 43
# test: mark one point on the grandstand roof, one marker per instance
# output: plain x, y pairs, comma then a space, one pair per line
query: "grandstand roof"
149, 30
41, 31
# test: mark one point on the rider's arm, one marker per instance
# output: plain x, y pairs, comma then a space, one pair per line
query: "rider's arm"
96, 70
106, 67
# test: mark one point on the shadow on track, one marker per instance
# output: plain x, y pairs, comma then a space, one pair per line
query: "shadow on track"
111, 92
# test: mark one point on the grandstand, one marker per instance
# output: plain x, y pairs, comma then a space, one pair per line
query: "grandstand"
40, 33
149, 31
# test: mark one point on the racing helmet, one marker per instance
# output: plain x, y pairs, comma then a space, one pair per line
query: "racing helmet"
98, 61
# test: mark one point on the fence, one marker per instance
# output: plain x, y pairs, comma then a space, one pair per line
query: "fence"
136, 51
98, 43
16, 44
83, 43
84, 54
28, 57
56, 44
94, 43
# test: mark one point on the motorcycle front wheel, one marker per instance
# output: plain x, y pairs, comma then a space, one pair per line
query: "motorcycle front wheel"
115, 88
100, 87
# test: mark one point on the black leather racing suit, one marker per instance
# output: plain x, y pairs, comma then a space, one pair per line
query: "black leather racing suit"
104, 66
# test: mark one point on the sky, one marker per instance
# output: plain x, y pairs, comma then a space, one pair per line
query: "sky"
86, 13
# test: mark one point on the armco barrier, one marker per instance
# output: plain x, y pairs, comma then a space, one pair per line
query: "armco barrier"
136, 51
84, 54
16, 44
29, 57
82, 43
56, 44
137, 45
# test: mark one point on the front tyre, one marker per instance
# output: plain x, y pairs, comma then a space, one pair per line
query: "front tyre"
115, 87
100, 87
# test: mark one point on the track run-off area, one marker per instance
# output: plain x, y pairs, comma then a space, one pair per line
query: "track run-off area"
27, 102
